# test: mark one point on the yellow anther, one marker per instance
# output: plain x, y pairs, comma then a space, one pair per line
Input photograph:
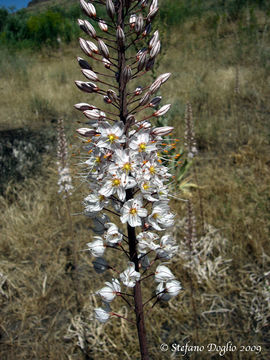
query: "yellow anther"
133, 211
127, 166
111, 137
116, 182
146, 186
152, 169
142, 147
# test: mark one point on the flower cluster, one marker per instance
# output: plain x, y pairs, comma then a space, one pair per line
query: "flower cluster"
123, 150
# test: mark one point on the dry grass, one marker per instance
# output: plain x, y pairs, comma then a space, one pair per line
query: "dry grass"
229, 269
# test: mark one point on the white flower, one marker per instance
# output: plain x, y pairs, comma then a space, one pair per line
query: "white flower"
169, 290
167, 247
163, 273
141, 142
102, 315
94, 203
161, 217
111, 136
132, 211
113, 236
146, 241
109, 292
117, 183
130, 275
97, 247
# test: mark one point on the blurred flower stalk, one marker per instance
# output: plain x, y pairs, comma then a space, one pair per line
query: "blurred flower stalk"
125, 154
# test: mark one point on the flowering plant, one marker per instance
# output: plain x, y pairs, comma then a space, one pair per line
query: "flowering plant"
124, 164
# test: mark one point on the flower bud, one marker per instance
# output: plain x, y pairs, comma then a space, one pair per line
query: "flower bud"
84, 106
162, 131
90, 29
92, 46
86, 132
127, 74
103, 49
88, 8
92, 114
100, 265
102, 25
149, 64
90, 75
153, 5
164, 77
132, 20
102, 315
142, 61
155, 101
112, 95
155, 86
85, 48
86, 86
96, 247
107, 63
151, 15
138, 90
154, 39
107, 100
120, 35
131, 120
139, 24
147, 30
144, 100
162, 111
155, 50
110, 8
84, 64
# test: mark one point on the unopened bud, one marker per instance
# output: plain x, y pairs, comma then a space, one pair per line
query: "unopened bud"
90, 29
86, 132
88, 8
151, 15
92, 114
102, 25
154, 39
120, 35
91, 75
142, 61
155, 50
139, 24
103, 49
112, 95
84, 106
85, 48
149, 64
144, 100
153, 5
107, 100
84, 64
162, 111
138, 90
162, 131
100, 264
110, 8
155, 101
107, 63
132, 20
127, 74
92, 46
147, 30
86, 86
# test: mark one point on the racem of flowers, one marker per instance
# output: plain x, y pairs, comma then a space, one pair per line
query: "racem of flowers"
123, 162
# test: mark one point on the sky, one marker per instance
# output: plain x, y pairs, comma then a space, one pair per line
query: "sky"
17, 3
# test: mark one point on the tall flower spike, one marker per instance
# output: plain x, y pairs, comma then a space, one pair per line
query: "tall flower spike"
122, 155
190, 141
64, 182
